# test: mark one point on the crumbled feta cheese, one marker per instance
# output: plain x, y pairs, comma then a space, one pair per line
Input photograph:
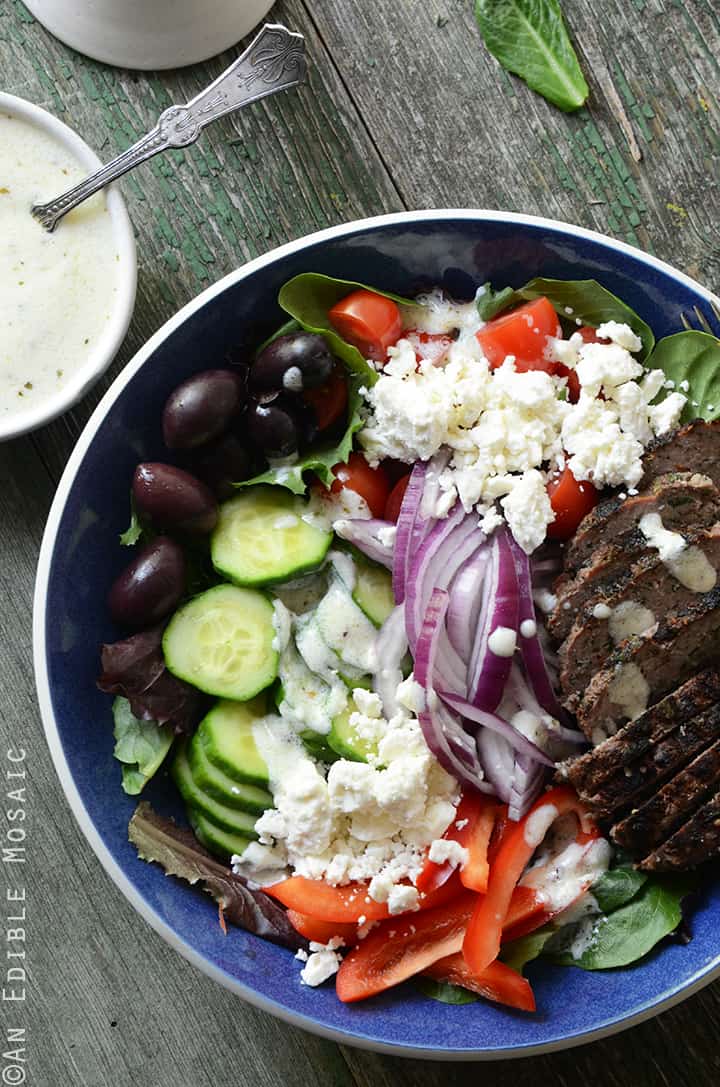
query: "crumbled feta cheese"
621, 334
386, 535
490, 520
444, 850
367, 702
320, 966
411, 695
402, 897
293, 379
528, 511
666, 415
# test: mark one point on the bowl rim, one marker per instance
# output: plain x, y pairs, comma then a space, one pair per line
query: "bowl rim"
105, 350
673, 995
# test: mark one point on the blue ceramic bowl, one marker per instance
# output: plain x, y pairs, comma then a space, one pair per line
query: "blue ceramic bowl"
80, 558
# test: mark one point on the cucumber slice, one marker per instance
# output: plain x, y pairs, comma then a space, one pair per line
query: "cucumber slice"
260, 538
226, 737
216, 840
216, 784
346, 630
373, 591
222, 642
344, 740
318, 656
306, 697
224, 818
317, 746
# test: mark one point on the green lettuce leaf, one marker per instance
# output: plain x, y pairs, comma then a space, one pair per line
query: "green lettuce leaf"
444, 992
140, 746
308, 298
591, 303
617, 886
489, 303
320, 460
518, 953
529, 38
630, 932
693, 357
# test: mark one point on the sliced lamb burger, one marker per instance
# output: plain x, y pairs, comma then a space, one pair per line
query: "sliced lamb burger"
676, 496
696, 842
643, 670
692, 447
650, 591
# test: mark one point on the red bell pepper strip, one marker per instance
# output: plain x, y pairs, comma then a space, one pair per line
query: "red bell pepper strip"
476, 815
484, 932
401, 947
323, 931
317, 899
497, 982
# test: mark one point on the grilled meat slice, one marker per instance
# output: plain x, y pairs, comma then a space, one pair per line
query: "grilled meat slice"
631, 785
587, 773
692, 447
676, 496
650, 586
695, 842
647, 827
643, 670
611, 565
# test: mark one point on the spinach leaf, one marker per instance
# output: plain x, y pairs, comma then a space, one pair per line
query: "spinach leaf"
693, 357
140, 746
490, 302
320, 460
617, 886
529, 38
180, 854
590, 303
518, 953
630, 932
308, 298
444, 992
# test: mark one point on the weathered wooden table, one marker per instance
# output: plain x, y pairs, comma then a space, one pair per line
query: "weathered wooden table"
404, 109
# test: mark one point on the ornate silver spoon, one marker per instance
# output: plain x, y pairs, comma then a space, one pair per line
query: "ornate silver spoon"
274, 61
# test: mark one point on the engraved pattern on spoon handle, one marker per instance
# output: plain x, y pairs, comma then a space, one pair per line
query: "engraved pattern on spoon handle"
274, 61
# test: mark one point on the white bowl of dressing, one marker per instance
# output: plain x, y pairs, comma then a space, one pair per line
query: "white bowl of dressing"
67, 297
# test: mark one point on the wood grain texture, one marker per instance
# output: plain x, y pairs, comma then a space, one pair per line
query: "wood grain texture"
404, 108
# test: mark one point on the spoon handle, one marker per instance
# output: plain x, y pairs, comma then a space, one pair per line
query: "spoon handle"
274, 61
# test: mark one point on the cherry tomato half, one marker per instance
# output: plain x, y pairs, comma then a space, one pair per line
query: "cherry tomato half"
523, 333
394, 502
573, 381
370, 483
589, 335
368, 321
571, 501
329, 401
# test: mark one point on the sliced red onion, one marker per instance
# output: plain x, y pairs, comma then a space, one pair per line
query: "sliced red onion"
450, 669
488, 672
390, 648
516, 739
498, 760
431, 492
364, 534
530, 647
465, 601
409, 510
444, 551
526, 782
441, 728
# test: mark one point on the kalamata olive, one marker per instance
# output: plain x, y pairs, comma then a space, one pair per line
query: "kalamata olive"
272, 428
222, 463
172, 498
201, 408
150, 587
297, 361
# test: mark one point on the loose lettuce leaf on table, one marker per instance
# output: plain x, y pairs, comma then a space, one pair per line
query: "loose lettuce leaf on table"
140, 746
693, 357
135, 669
177, 851
529, 38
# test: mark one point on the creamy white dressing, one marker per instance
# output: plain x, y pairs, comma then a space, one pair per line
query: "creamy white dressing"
629, 619
502, 642
538, 824
689, 565
630, 690
567, 874
58, 290
346, 629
